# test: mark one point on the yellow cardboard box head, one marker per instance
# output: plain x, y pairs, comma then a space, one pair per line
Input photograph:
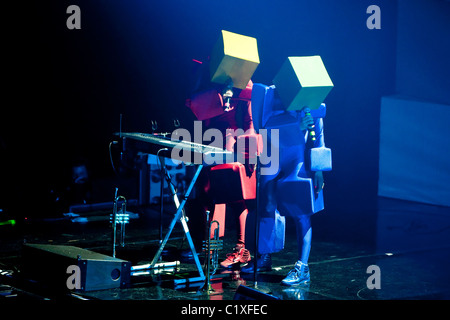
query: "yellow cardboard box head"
303, 82
234, 59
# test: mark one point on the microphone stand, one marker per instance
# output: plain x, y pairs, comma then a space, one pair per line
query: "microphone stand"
262, 289
255, 262
162, 168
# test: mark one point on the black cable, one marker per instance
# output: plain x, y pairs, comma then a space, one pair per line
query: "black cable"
110, 157
159, 163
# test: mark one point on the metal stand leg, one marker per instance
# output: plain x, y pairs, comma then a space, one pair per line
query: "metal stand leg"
161, 192
121, 219
255, 262
180, 216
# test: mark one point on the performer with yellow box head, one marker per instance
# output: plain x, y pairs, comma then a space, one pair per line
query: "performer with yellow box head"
221, 100
294, 106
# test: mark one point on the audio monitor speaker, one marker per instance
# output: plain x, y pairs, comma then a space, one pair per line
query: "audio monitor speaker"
53, 265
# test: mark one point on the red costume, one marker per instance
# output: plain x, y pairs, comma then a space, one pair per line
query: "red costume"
217, 190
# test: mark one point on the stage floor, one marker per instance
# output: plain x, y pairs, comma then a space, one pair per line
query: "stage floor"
408, 242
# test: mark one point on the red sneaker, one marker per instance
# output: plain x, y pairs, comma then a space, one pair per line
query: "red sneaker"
239, 255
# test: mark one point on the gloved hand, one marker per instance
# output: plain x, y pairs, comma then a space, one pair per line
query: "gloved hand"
307, 121
318, 182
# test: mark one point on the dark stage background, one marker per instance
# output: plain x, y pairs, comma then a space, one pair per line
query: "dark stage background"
67, 88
